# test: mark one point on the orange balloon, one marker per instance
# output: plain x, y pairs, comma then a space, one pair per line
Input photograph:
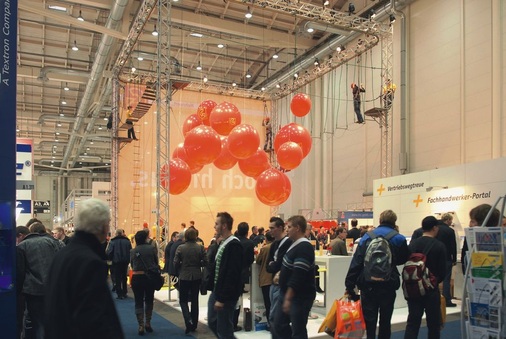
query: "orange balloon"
190, 123
300, 104
224, 117
243, 141
273, 187
225, 160
255, 165
204, 111
180, 176
295, 133
202, 145
289, 155
180, 152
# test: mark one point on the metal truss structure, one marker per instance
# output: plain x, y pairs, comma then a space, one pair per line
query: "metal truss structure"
373, 33
163, 97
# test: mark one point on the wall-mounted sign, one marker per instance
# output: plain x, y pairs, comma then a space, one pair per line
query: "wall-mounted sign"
42, 207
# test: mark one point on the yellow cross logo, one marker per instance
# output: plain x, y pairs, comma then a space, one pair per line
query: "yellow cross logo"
380, 189
418, 200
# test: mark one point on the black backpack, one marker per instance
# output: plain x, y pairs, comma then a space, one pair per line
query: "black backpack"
378, 261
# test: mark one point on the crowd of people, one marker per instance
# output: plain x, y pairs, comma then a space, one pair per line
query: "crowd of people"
72, 272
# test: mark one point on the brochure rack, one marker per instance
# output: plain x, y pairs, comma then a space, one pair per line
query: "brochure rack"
483, 313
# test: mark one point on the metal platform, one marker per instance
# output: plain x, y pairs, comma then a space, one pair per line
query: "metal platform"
375, 112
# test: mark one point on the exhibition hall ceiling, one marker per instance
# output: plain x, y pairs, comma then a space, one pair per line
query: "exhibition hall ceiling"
65, 64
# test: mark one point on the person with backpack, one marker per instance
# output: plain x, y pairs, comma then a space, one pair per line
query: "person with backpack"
421, 275
373, 270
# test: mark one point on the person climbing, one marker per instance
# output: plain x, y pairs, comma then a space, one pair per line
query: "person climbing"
130, 123
268, 134
388, 93
356, 100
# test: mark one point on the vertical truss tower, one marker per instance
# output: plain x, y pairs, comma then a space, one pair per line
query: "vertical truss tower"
163, 97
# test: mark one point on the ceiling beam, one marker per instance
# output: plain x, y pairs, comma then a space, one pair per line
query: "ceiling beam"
268, 37
35, 7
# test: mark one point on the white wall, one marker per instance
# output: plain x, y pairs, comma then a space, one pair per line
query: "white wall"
454, 115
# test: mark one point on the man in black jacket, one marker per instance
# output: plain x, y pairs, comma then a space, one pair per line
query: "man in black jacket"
354, 232
81, 305
248, 248
446, 235
434, 250
227, 279
118, 252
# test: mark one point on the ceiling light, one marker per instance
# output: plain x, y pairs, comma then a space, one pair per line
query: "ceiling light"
62, 115
66, 88
263, 89
106, 118
296, 75
100, 127
392, 18
57, 133
80, 17
80, 163
326, 2
310, 30
53, 157
199, 68
85, 153
133, 69
197, 35
57, 8
221, 45
316, 62
351, 9
52, 161
248, 14
87, 148
140, 58
340, 48
56, 140
63, 102
17, 129
74, 46
205, 78
275, 56
234, 84
373, 14
155, 32
278, 85
248, 75
91, 143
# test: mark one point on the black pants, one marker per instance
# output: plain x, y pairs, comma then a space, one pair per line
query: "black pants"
374, 301
431, 304
267, 300
120, 277
143, 293
131, 131
189, 292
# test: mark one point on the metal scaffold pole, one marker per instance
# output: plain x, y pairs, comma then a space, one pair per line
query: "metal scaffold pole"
114, 155
386, 118
163, 96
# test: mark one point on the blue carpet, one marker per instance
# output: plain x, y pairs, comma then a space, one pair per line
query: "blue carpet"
450, 331
162, 327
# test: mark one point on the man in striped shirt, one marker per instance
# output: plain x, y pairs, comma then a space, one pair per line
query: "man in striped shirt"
296, 282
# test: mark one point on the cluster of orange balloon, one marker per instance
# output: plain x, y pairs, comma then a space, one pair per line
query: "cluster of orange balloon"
215, 135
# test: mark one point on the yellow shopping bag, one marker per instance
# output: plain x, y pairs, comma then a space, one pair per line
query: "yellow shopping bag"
329, 323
